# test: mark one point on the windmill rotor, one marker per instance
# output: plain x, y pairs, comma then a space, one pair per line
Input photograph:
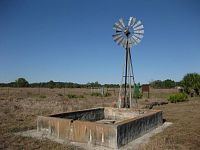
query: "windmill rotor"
130, 34
127, 34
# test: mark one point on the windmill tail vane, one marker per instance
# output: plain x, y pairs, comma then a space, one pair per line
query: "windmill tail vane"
127, 35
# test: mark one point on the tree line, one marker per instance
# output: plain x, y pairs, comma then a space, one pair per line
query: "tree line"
164, 84
22, 82
190, 81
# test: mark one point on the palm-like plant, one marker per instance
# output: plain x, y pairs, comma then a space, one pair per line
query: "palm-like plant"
191, 81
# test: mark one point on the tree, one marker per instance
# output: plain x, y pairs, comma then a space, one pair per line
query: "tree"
163, 84
169, 83
191, 81
21, 82
51, 84
156, 84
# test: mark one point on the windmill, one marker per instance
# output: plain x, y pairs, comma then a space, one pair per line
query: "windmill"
127, 35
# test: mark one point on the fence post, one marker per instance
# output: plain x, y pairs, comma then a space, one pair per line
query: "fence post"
8, 90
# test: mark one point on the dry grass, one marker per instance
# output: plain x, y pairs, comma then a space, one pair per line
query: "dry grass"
184, 134
19, 109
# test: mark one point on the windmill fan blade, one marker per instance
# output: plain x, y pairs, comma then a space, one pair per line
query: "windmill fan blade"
130, 34
139, 31
131, 21
118, 25
122, 22
117, 29
137, 24
140, 36
130, 43
124, 42
139, 27
136, 39
116, 36
119, 40
133, 41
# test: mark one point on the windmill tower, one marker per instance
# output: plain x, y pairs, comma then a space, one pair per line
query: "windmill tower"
127, 35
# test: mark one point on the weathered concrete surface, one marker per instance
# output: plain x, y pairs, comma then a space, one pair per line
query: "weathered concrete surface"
94, 126
78, 130
131, 129
133, 145
86, 115
122, 113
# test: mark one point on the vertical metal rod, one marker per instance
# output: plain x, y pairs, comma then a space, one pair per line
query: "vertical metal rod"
133, 77
125, 99
129, 68
121, 83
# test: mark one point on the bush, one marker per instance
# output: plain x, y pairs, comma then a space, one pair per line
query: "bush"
42, 96
179, 97
163, 84
59, 94
74, 96
100, 95
107, 94
137, 95
81, 96
21, 82
191, 81
96, 94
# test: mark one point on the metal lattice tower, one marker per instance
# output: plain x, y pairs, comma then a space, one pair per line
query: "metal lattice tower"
127, 35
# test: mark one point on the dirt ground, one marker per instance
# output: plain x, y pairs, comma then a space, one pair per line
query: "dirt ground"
19, 108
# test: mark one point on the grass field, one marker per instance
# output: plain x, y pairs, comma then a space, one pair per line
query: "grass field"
19, 108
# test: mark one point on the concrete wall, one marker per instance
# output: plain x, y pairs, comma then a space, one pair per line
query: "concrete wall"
133, 128
79, 131
120, 114
79, 126
86, 115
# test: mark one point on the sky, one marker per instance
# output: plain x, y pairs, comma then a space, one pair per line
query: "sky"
71, 40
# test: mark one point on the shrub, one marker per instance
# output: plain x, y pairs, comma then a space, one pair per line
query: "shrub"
74, 96
81, 96
179, 97
21, 82
107, 94
137, 95
100, 95
191, 81
43, 96
59, 94
96, 94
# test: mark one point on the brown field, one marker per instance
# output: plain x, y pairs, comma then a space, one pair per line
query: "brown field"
19, 108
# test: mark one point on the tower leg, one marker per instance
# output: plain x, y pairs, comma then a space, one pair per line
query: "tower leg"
125, 84
126, 92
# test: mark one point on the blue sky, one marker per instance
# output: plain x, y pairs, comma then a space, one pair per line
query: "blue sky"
71, 40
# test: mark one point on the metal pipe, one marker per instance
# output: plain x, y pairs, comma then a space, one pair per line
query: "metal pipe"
125, 100
129, 72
